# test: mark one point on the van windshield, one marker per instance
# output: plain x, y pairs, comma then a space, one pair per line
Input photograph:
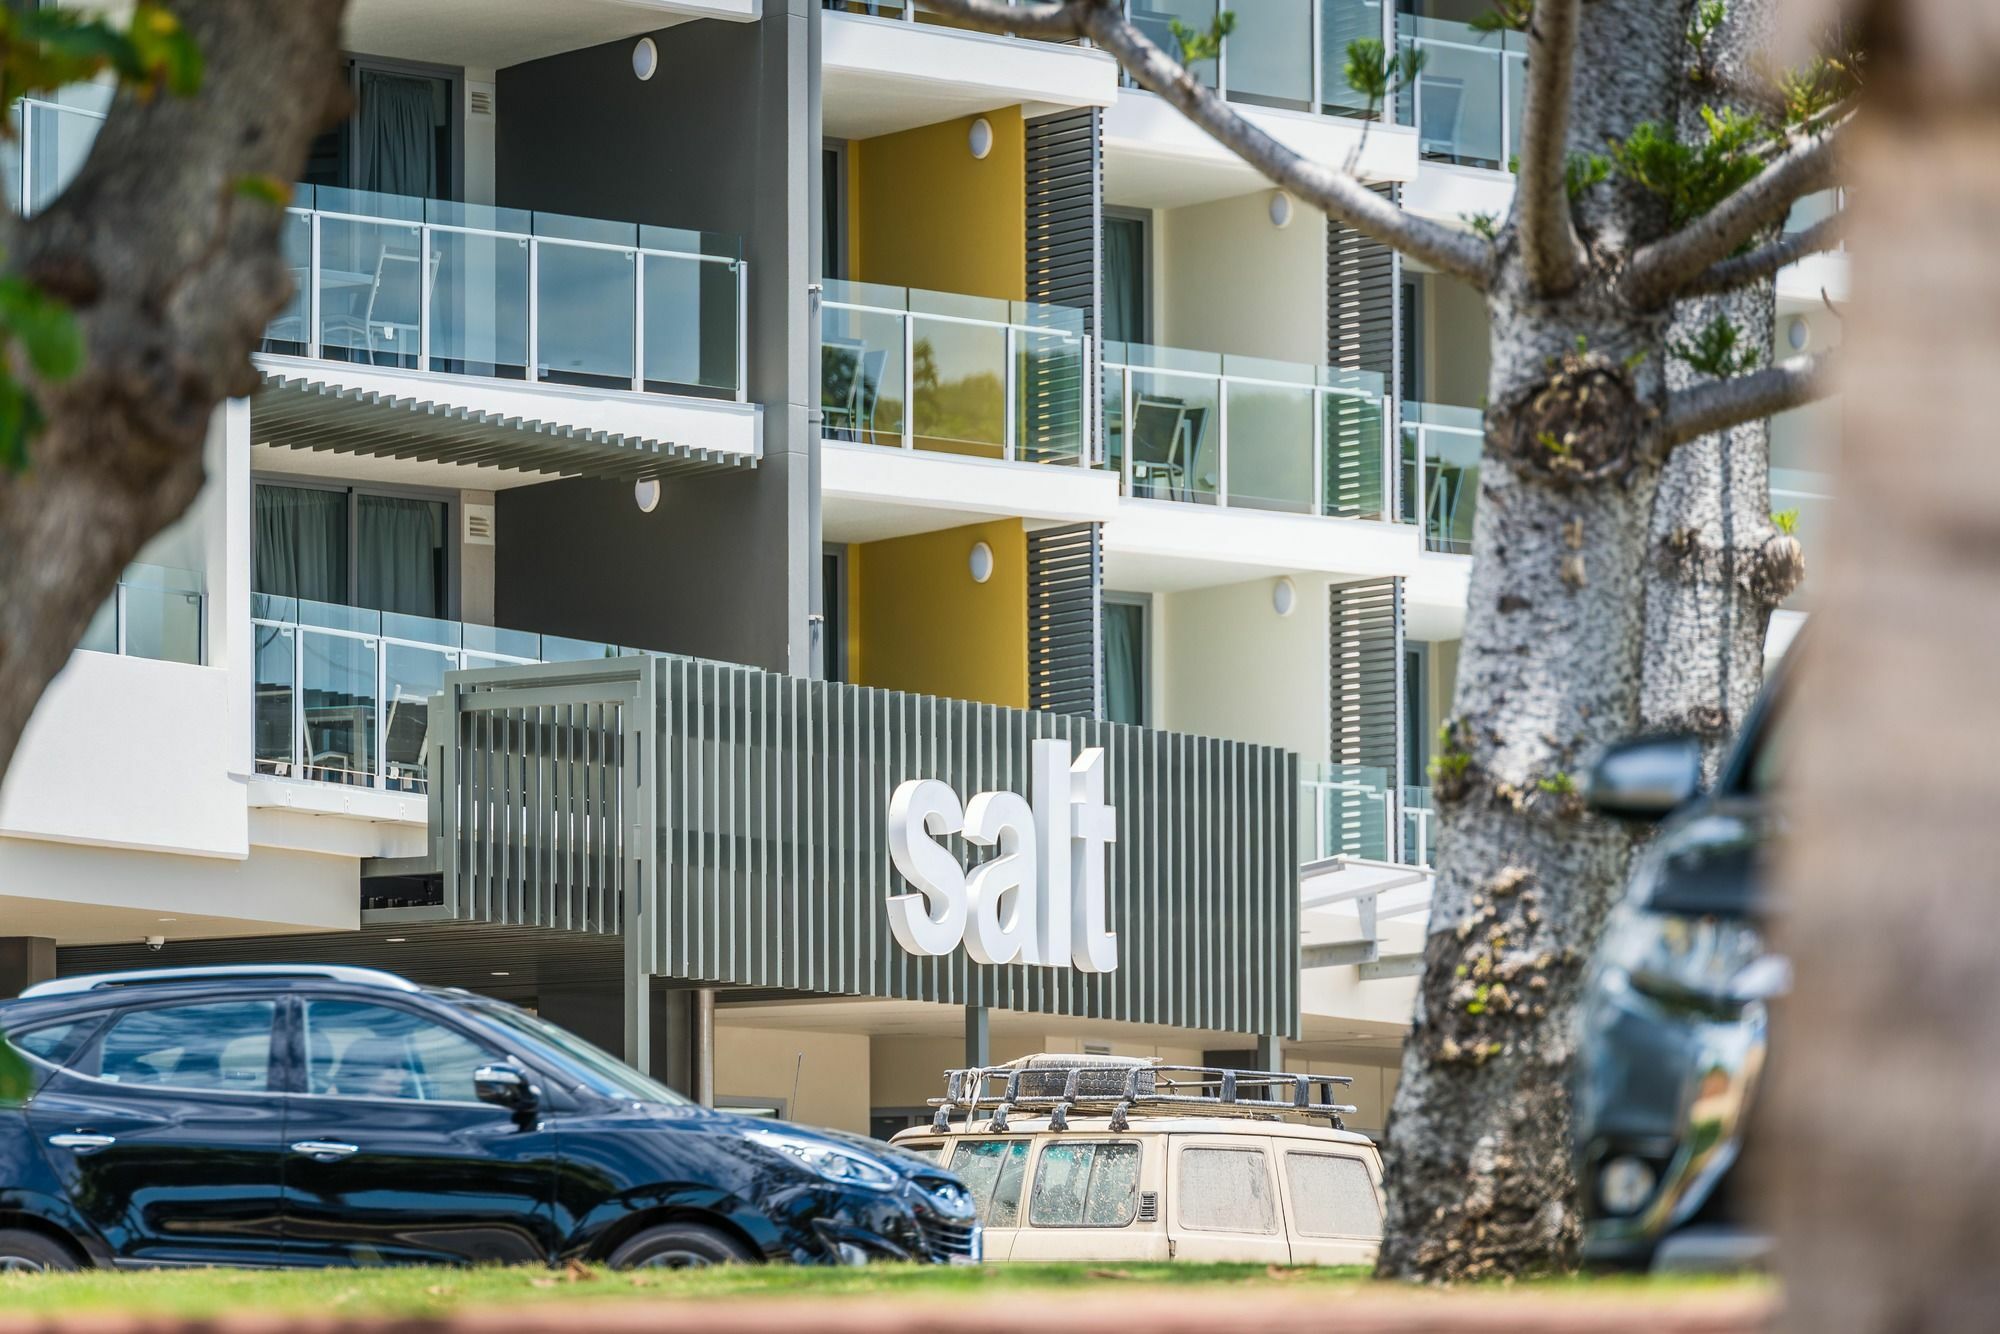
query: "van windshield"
592, 1067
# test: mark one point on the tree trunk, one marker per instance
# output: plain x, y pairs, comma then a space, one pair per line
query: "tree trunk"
1884, 1125
172, 267
1717, 565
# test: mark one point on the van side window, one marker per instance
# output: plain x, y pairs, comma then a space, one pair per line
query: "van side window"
1332, 1196
992, 1170
1086, 1185
1225, 1190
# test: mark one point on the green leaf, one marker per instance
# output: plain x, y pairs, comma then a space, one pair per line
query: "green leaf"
45, 326
1504, 16
20, 419
1692, 178
16, 1080
1716, 349
265, 189
1786, 522
1197, 45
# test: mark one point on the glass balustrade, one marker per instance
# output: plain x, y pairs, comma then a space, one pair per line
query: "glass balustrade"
343, 693
1344, 810
1441, 447
952, 374
1419, 827
1213, 429
1468, 98
155, 612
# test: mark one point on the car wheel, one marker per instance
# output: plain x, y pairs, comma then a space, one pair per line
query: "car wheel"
679, 1246
32, 1253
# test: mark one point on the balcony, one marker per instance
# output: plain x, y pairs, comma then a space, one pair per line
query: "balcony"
1281, 54
949, 374
343, 693
155, 612
1344, 811
1441, 446
1213, 429
1468, 99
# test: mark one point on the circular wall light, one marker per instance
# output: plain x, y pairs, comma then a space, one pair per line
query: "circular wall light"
980, 139
981, 562
1798, 333
1281, 209
645, 58
1284, 596
647, 493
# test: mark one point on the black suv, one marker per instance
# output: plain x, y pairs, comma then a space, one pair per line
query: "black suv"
332, 1116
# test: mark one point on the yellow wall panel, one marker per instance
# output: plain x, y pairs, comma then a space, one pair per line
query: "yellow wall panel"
928, 214
920, 623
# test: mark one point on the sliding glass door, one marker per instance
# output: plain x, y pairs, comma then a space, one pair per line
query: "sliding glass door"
345, 546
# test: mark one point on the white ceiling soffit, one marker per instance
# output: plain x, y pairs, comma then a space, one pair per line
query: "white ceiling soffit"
879, 75
492, 34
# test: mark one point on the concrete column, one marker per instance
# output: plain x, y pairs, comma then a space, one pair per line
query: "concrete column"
978, 1037
701, 1045
1270, 1056
24, 961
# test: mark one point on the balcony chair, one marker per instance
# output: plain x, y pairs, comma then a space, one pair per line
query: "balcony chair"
1194, 430
1442, 103
408, 733
1156, 438
1446, 493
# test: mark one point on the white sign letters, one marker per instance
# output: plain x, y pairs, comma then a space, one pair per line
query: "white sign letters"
1040, 898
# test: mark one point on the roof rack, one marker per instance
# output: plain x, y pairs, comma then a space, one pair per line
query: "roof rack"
368, 977
1119, 1086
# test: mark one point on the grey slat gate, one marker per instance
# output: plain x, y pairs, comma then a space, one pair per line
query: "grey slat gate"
732, 823
1366, 641
1065, 196
1065, 620
1362, 335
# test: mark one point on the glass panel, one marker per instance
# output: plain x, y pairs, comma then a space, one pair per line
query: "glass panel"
1345, 810
423, 629
1048, 376
1515, 64
861, 375
11, 156
358, 1050
600, 231
958, 377
59, 141
1175, 432
371, 277
489, 639
991, 1170
1342, 22
1155, 19
1225, 1190
1270, 53
1332, 1196
1457, 94
556, 648
340, 707
339, 616
690, 325
1419, 827
876, 8
401, 554
273, 716
163, 614
479, 305
290, 331
587, 314
1125, 670
1086, 1185
1114, 417
1271, 446
1449, 441
1353, 478
101, 635
413, 677
225, 1045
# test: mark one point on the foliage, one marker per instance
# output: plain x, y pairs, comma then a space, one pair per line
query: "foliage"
1820, 85
1557, 784
1692, 178
42, 50
1702, 25
1375, 74
1583, 170
1504, 16
1202, 45
1786, 522
1717, 349
14, 1081
1483, 224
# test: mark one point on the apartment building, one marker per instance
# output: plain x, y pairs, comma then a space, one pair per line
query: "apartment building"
698, 420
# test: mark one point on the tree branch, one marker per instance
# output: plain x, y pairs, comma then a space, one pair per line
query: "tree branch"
1662, 270
1551, 254
1336, 193
1716, 405
1765, 261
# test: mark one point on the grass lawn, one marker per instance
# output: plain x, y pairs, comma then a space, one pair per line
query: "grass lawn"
399, 1292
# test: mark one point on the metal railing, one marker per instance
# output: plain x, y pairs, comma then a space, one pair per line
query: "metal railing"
1215, 429
1345, 809
1441, 448
1419, 826
1467, 101
342, 694
953, 374
155, 612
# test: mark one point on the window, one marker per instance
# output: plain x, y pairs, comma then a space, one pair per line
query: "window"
52, 1043
385, 552
992, 1171
1126, 289
930, 1153
1225, 1190
1332, 1196
1125, 660
401, 136
833, 211
225, 1045
1086, 1185
358, 1050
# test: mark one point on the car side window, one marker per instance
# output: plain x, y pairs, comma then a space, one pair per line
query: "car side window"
1225, 1190
355, 1049
1086, 1185
992, 1170
1332, 1196
51, 1042
218, 1045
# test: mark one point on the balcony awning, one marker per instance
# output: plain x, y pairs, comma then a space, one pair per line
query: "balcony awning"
308, 410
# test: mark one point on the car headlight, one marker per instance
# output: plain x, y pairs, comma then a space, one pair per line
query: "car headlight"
1677, 959
836, 1164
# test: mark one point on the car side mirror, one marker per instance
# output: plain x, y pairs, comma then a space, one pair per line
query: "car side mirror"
504, 1086
1645, 778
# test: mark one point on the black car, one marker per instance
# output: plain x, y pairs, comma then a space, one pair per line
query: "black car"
1673, 1037
335, 1116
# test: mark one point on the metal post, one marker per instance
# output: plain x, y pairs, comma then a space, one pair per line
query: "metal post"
423, 298
1010, 386
1321, 400
299, 747
534, 309
743, 331
638, 992
381, 774
118, 614
1125, 426
639, 321
978, 1037
909, 380
1222, 468
701, 1047
1092, 404
312, 292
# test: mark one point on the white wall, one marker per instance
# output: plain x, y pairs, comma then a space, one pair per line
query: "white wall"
1453, 327
832, 1082
1226, 280
1235, 668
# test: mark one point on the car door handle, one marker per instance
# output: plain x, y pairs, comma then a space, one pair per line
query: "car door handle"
82, 1144
325, 1150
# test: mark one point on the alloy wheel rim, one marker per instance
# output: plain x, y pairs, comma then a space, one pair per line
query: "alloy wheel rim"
20, 1264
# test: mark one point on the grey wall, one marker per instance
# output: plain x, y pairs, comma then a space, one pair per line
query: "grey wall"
724, 137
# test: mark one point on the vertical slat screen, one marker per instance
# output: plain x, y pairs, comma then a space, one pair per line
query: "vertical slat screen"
1065, 197
1065, 620
1361, 280
1366, 641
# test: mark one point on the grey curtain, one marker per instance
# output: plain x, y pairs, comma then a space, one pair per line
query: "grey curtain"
1124, 663
1124, 280
301, 543
399, 555
396, 144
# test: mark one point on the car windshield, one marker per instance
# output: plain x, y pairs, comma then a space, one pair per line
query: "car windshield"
596, 1070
